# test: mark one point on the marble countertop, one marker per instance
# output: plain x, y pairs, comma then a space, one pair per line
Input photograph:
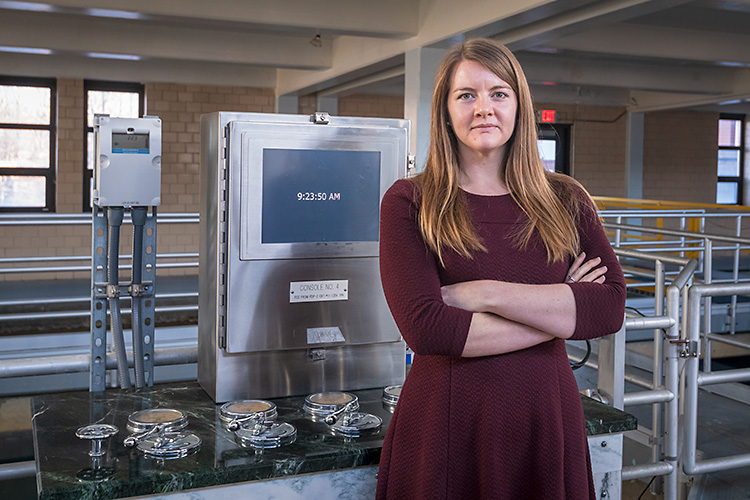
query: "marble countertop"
65, 470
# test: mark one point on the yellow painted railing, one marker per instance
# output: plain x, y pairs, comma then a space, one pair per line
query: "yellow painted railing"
693, 220
607, 203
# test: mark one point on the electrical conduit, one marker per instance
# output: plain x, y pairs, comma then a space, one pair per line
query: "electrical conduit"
114, 221
139, 220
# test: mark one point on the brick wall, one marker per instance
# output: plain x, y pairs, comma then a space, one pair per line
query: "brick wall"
70, 116
365, 105
680, 155
369, 105
679, 158
598, 146
180, 108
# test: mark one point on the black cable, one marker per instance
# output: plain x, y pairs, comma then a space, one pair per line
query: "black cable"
646, 488
636, 311
577, 364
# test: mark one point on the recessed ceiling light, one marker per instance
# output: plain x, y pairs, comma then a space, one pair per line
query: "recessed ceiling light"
121, 57
116, 14
31, 6
26, 50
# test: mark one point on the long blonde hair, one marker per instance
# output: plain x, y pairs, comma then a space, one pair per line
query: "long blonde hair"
547, 199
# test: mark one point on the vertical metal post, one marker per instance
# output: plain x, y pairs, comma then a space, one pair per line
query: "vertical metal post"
682, 238
611, 373
148, 306
97, 368
618, 232
672, 383
707, 303
692, 337
658, 372
735, 276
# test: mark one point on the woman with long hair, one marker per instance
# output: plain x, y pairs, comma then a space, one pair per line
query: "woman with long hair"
484, 265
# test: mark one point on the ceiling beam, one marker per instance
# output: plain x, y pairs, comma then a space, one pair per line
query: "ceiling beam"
438, 20
660, 42
384, 18
64, 33
186, 72
623, 74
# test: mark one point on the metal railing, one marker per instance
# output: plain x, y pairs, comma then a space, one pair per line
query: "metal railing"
80, 306
705, 245
663, 388
696, 379
683, 330
676, 323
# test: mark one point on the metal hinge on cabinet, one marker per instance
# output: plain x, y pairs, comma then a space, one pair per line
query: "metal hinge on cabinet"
320, 118
411, 165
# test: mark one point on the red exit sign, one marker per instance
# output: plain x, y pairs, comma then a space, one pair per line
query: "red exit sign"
547, 116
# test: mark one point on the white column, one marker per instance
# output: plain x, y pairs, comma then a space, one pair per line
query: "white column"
328, 105
421, 66
287, 104
634, 156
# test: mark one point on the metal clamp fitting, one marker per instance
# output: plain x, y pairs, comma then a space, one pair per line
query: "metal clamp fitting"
348, 408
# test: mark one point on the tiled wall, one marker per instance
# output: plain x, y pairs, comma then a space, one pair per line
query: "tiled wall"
679, 158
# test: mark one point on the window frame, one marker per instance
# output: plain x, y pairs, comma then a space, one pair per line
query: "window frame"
103, 86
740, 178
50, 173
560, 133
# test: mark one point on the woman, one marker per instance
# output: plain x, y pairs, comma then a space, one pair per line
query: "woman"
483, 263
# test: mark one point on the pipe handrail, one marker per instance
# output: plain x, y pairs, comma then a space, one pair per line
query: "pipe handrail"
20, 219
84, 314
691, 464
76, 363
675, 232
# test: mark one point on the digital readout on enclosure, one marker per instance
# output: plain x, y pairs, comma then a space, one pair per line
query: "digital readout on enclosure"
318, 291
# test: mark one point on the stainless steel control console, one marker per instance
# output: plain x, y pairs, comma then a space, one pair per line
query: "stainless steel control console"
290, 295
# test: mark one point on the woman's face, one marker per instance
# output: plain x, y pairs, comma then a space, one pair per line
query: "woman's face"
482, 110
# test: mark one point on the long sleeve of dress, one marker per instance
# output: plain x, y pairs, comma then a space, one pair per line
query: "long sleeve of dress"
411, 282
600, 308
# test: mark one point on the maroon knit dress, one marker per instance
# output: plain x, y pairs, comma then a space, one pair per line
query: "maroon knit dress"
496, 427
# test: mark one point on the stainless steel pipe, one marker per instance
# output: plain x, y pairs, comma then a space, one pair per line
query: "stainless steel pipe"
76, 363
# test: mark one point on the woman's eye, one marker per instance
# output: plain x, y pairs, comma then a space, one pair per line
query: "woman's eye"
500, 95
465, 96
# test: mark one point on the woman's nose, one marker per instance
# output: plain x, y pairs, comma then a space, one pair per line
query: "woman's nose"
482, 106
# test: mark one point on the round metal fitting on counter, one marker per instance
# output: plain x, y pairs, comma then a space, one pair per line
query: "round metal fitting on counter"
236, 414
354, 425
145, 420
170, 445
390, 396
321, 404
96, 433
272, 435
95, 474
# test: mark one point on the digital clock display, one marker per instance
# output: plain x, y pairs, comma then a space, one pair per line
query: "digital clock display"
130, 143
320, 195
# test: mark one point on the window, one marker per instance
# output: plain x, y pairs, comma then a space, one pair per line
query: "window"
27, 144
120, 100
730, 165
554, 147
